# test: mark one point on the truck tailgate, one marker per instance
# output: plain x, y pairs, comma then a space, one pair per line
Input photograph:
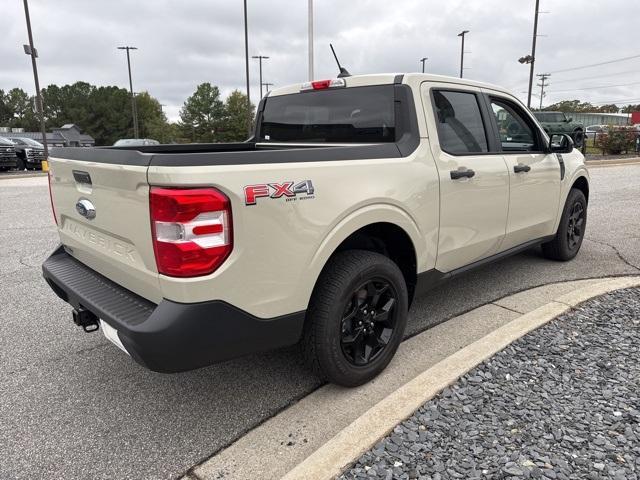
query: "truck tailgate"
117, 242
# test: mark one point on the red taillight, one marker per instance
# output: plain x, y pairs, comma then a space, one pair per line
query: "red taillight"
321, 84
53, 209
192, 234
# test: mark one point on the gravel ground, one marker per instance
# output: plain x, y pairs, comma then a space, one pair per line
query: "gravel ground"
560, 403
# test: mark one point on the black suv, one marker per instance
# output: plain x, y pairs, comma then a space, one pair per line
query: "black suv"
8, 157
29, 152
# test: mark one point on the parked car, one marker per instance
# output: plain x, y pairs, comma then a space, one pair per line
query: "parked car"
353, 196
30, 153
594, 130
135, 142
8, 157
558, 122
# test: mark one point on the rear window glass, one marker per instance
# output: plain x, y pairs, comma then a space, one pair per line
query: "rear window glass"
345, 115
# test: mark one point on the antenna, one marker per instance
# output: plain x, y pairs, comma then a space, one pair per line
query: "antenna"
343, 71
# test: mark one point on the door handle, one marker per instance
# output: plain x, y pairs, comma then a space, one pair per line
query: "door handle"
461, 173
521, 167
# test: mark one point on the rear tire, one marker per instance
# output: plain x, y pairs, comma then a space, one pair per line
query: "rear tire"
578, 138
568, 239
356, 318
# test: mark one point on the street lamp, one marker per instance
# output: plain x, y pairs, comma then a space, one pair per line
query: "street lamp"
310, 32
31, 50
532, 57
462, 34
246, 66
423, 60
134, 112
260, 58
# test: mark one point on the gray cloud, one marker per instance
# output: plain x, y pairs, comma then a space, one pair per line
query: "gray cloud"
185, 43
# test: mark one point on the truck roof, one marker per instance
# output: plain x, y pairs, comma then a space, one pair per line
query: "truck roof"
390, 78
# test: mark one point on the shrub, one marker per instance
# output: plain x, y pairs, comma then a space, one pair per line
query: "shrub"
617, 141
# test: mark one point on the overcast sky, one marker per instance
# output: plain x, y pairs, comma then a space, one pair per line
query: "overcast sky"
184, 43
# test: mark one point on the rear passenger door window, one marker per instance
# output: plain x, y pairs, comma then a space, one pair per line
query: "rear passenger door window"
461, 130
517, 133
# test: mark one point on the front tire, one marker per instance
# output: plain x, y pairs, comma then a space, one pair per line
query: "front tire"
20, 164
356, 318
568, 239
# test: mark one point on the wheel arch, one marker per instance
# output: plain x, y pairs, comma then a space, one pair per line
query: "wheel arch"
384, 229
582, 183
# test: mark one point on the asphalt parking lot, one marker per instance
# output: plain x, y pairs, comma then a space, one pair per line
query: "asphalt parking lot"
73, 406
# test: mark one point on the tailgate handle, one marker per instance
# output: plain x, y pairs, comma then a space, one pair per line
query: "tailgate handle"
82, 177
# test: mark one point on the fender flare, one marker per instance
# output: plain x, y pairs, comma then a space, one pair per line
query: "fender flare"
351, 223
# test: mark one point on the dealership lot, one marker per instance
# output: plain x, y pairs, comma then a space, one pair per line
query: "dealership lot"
74, 406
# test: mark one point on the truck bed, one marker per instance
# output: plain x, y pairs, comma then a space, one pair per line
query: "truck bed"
198, 154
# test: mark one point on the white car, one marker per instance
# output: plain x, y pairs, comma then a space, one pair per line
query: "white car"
594, 130
353, 196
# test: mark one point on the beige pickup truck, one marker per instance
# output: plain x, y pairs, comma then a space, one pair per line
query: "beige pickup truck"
353, 196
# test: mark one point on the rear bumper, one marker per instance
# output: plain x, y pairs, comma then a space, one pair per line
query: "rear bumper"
169, 337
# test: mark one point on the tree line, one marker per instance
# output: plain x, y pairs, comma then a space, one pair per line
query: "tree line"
104, 112
578, 106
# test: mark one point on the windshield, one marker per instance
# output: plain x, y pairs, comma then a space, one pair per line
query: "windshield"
550, 117
135, 142
345, 115
28, 141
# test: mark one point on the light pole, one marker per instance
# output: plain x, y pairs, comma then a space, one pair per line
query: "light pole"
423, 60
462, 34
246, 66
134, 112
260, 58
533, 53
310, 15
31, 50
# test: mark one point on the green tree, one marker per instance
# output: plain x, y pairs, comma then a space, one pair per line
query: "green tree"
233, 127
201, 114
6, 113
151, 119
22, 107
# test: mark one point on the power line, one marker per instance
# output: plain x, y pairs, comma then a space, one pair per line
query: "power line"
597, 76
596, 64
598, 87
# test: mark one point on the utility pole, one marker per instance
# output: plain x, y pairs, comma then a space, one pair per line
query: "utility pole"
462, 34
260, 58
31, 50
134, 112
533, 53
424, 59
267, 85
246, 66
543, 79
310, 15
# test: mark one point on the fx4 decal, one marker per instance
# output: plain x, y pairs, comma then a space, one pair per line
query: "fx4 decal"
288, 190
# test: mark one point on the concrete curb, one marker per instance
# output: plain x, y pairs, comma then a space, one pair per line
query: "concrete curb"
348, 445
11, 176
612, 162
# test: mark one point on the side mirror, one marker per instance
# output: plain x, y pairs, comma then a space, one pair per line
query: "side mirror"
570, 119
561, 143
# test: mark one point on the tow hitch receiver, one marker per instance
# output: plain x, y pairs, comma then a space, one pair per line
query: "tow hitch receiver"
85, 319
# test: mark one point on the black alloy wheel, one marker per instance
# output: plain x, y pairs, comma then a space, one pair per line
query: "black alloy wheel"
575, 225
368, 321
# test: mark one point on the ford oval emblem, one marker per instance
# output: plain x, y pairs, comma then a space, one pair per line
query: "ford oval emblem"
85, 208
